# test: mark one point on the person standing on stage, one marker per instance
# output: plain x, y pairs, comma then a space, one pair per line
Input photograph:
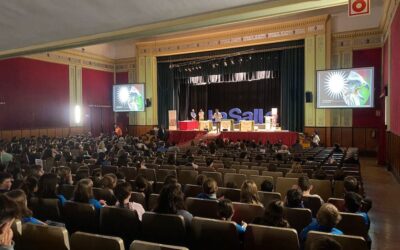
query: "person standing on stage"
193, 114
315, 139
217, 118
201, 115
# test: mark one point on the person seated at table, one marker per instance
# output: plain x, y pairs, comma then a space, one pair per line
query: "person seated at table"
210, 189
193, 114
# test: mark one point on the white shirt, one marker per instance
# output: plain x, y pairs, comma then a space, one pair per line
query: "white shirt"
316, 139
217, 116
201, 115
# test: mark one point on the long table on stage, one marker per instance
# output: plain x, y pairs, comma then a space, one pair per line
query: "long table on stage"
287, 137
188, 125
182, 136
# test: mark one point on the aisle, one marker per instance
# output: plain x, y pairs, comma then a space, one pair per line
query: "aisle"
381, 186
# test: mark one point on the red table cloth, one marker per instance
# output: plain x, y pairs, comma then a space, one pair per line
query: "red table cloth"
188, 125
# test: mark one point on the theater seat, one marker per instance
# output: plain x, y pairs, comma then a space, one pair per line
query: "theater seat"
161, 174
284, 184
339, 203
346, 241
152, 202
338, 189
217, 176
38, 237
267, 197
246, 212
353, 224
46, 209
211, 234
86, 241
67, 191
120, 222
148, 173
187, 177
322, 187
202, 208
17, 231
271, 238
238, 179
109, 170
248, 172
312, 203
258, 179
144, 245
164, 228
229, 193
129, 172
80, 217
192, 190
298, 218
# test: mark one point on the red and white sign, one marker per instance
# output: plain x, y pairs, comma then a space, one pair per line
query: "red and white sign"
359, 7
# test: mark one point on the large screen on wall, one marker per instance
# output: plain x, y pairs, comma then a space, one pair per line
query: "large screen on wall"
345, 88
128, 97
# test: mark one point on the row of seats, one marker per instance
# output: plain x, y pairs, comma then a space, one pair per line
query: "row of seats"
205, 233
125, 223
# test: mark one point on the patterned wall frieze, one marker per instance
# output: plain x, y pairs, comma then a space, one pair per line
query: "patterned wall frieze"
251, 34
86, 60
354, 40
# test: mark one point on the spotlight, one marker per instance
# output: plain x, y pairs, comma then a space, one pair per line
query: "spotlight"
250, 57
213, 65
232, 62
199, 67
225, 63
240, 60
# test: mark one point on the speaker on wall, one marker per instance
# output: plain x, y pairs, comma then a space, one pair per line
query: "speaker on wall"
309, 97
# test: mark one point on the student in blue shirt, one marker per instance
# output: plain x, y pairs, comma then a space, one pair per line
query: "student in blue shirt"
210, 189
353, 203
84, 193
327, 218
47, 188
19, 196
226, 211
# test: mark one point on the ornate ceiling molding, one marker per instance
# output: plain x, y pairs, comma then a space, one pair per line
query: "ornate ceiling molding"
86, 60
253, 33
389, 10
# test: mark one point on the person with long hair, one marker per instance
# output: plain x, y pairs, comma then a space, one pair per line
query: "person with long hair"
249, 193
9, 211
123, 193
19, 197
47, 188
30, 187
84, 193
274, 215
171, 201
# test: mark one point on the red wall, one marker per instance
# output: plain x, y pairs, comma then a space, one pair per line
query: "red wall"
394, 74
367, 118
372, 117
121, 77
97, 93
36, 94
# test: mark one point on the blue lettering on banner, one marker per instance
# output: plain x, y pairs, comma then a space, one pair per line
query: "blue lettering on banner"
236, 113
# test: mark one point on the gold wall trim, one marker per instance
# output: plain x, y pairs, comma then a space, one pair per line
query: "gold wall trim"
389, 10
86, 60
253, 33
355, 40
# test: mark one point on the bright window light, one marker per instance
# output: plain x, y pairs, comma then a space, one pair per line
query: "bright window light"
77, 114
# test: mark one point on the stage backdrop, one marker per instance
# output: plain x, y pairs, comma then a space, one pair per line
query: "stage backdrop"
253, 79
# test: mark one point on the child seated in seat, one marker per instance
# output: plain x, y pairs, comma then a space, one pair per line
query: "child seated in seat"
123, 192
19, 197
226, 211
210, 189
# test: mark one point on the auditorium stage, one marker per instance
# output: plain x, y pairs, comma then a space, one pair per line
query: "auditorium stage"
182, 136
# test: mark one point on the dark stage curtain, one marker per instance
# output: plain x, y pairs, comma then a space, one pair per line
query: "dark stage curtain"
279, 88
